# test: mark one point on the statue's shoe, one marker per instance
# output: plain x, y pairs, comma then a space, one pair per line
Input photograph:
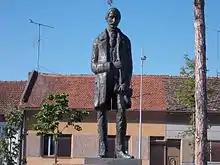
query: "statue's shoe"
102, 156
121, 154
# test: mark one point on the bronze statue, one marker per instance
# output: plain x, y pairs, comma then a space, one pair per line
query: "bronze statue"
112, 64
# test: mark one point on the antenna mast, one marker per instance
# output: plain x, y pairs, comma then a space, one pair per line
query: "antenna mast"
110, 2
39, 39
218, 72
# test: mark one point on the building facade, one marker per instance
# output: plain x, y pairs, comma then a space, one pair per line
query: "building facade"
162, 126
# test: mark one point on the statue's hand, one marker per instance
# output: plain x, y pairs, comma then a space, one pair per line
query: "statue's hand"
117, 64
121, 88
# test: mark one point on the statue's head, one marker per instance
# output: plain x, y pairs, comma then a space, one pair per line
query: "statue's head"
113, 17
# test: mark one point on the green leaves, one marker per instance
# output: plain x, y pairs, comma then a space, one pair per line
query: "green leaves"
189, 69
186, 97
10, 142
50, 115
53, 112
185, 94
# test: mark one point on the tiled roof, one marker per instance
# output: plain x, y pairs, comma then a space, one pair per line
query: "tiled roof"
174, 83
158, 91
81, 88
10, 93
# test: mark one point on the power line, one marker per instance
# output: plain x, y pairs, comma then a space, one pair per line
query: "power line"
39, 39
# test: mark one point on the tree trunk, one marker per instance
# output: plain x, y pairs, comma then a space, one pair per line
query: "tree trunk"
193, 143
56, 150
200, 84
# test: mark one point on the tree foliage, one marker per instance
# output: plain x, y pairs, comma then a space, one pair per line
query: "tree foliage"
186, 96
10, 140
52, 113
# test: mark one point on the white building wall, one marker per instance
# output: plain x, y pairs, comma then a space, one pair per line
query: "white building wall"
173, 132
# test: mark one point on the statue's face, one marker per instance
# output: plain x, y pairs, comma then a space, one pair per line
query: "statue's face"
113, 19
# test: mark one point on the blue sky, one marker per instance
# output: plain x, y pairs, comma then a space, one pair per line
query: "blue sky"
164, 29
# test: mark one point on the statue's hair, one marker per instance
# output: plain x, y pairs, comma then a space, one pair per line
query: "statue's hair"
115, 10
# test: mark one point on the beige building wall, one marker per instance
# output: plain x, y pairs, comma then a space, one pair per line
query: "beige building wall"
187, 152
50, 161
85, 143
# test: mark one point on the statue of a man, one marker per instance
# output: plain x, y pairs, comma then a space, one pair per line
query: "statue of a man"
112, 64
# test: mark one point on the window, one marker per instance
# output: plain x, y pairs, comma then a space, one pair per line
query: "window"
64, 145
48, 145
214, 150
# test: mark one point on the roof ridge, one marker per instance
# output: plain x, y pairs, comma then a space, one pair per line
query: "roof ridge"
66, 75
11, 81
92, 75
150, 75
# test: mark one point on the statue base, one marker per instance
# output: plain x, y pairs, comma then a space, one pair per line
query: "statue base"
112, 161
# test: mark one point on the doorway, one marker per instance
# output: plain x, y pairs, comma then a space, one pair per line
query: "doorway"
157, 150
164, 152
173, 152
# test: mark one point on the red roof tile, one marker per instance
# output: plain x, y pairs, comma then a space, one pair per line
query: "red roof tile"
10, 93
81, 88
158, 91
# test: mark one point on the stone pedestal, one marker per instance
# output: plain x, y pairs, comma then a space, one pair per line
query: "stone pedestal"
112, 161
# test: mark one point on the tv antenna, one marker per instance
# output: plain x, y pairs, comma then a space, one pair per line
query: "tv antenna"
218, 72
110, 2
39, 40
